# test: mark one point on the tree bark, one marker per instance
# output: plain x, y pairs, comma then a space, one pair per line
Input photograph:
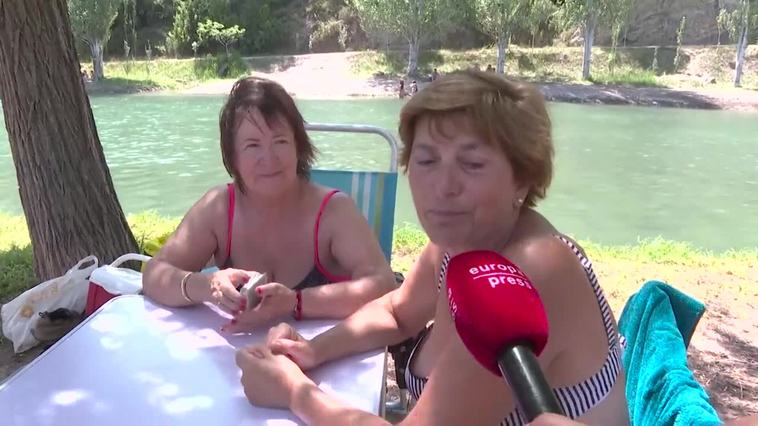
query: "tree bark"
589, 38
502, 47
740, 59
65, 186
96, 51
413, 49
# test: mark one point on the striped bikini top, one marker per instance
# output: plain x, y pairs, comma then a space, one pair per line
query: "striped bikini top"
575, 400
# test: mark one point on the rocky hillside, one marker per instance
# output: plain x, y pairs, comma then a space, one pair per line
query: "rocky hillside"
654, 22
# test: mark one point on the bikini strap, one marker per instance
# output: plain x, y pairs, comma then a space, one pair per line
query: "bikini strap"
229, 223
316, 260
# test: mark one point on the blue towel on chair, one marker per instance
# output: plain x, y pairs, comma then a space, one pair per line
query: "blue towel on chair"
658, 323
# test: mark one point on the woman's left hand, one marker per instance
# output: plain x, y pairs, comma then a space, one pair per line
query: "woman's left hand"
269, 380
277, 301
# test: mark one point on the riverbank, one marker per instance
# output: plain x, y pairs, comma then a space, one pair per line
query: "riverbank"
723, 353
346, 75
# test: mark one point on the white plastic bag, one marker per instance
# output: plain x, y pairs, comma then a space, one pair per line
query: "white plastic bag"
109, 281
117, 280
21, 314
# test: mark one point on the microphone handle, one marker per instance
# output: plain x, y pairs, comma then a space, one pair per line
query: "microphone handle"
522, 371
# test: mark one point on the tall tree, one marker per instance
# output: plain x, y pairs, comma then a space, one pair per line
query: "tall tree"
414, 20
584, 13
588, 14
745, 21
92, 21
498, 19
66, 189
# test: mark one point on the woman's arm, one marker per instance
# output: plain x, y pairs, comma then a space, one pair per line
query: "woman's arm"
388, 320
187, 250
487, 399
355, 248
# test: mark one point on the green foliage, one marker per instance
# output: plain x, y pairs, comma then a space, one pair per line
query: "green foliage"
227, 66
410, 19
679, 34
332, 20
745, 14
626, 76
171, 74
723, 23
212, 30
91, 20
414, 20
499, 18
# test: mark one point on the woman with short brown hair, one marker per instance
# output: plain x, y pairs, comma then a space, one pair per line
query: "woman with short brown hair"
478, 152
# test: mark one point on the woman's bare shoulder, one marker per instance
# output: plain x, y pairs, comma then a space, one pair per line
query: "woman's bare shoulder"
214, 202
548, 261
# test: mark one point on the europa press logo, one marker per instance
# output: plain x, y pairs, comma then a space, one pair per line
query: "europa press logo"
499, 274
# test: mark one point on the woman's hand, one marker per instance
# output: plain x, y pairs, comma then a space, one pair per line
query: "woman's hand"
269, 380
284, 340
224, 289
277, 301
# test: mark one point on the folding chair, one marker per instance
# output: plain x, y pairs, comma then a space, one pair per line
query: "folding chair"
374, 194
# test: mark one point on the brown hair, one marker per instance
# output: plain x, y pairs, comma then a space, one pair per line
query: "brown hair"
511, 115
273, 102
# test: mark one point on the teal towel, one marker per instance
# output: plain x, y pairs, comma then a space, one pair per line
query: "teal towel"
658, 322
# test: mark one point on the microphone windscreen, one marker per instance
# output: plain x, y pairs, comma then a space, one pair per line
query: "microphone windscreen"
494, 305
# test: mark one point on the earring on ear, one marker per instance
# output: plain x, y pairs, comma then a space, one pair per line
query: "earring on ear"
518, 202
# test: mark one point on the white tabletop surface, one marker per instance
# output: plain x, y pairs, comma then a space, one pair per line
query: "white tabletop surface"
137, 363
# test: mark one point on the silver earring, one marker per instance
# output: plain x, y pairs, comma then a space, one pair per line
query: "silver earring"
519, 201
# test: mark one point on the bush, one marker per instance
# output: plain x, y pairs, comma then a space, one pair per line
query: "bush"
220, 66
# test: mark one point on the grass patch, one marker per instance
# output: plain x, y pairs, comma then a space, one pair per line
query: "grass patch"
150, 225
170, 74
627, 77
622, 268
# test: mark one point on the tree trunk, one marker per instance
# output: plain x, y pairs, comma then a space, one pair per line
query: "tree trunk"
413, 48
740, 60
502, 47
589, 37
66, 190
96, 50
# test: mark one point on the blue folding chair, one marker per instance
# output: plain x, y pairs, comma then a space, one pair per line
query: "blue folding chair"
373, 192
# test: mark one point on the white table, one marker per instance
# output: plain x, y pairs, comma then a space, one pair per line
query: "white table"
137, 363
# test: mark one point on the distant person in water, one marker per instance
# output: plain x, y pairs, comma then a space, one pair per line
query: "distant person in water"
314, 244
414, 87
401, 90
435, 74
490, 68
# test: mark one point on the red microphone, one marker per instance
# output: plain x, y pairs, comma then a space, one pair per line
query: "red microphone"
500, 318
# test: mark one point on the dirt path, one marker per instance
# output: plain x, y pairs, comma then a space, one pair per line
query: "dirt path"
314, 76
